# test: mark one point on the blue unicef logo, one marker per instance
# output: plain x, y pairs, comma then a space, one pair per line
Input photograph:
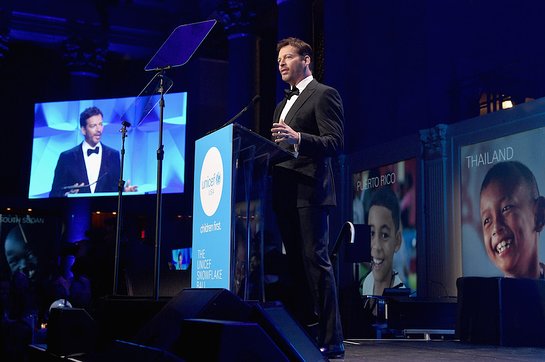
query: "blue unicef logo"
211, 182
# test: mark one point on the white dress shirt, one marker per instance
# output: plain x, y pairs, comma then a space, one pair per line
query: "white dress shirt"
301, 86
92, 164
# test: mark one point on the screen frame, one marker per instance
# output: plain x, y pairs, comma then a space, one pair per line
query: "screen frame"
402, 149
495, 126
174, 255
57, 129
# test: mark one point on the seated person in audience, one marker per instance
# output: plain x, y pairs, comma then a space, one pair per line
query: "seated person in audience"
18, 322
512, 216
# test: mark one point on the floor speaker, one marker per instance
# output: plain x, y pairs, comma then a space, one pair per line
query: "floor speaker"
165, 328
226, 341
501, 311
228, 326
121, 317
126, 351
286, 332
70, 331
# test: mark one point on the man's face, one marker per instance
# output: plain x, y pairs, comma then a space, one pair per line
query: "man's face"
385, 241
291, 65
508, 223
93, 130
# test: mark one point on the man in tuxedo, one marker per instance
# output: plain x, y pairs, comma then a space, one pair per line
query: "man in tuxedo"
91, 166
309, 121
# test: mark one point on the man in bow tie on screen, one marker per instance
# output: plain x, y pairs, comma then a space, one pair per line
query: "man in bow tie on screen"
91, 166
309, 120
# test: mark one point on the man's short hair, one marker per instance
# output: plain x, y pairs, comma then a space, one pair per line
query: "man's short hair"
88, 113
302, 47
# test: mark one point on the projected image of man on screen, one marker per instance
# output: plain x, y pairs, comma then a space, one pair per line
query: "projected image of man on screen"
512, 216
91, 166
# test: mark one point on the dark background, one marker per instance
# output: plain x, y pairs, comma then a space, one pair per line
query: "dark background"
399, 66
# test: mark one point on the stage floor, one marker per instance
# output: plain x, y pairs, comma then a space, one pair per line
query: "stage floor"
357, 350
434, 350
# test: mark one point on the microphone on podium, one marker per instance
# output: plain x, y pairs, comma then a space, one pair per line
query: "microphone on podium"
73, 187
254, 100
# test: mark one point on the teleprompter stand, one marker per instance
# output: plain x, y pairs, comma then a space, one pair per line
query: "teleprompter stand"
137, 114
176, 51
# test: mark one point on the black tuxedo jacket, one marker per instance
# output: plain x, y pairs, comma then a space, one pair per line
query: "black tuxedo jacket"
308, 179
71, 169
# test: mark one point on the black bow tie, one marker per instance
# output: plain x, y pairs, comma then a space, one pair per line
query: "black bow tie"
291, 92
90, 151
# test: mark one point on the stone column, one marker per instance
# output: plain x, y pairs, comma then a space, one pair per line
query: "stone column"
237, 18
4, 48
4, 31
85, 55
296, 19
437, 243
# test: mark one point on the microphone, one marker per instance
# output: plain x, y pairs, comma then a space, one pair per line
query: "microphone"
73, 187
252, 102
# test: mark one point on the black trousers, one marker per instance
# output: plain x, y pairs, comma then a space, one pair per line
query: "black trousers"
305, 234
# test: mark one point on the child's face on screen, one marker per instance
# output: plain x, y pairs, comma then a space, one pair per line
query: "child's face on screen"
19, 255
509, 227
385, 241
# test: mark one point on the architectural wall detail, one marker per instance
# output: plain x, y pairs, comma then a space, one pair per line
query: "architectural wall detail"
84, 55
236, 17
434, 141
435, 239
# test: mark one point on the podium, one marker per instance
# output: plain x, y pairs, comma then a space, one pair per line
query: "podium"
230, 188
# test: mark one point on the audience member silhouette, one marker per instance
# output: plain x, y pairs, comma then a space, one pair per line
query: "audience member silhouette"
19, 319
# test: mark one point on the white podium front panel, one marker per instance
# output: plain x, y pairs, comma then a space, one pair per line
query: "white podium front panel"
212, 208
